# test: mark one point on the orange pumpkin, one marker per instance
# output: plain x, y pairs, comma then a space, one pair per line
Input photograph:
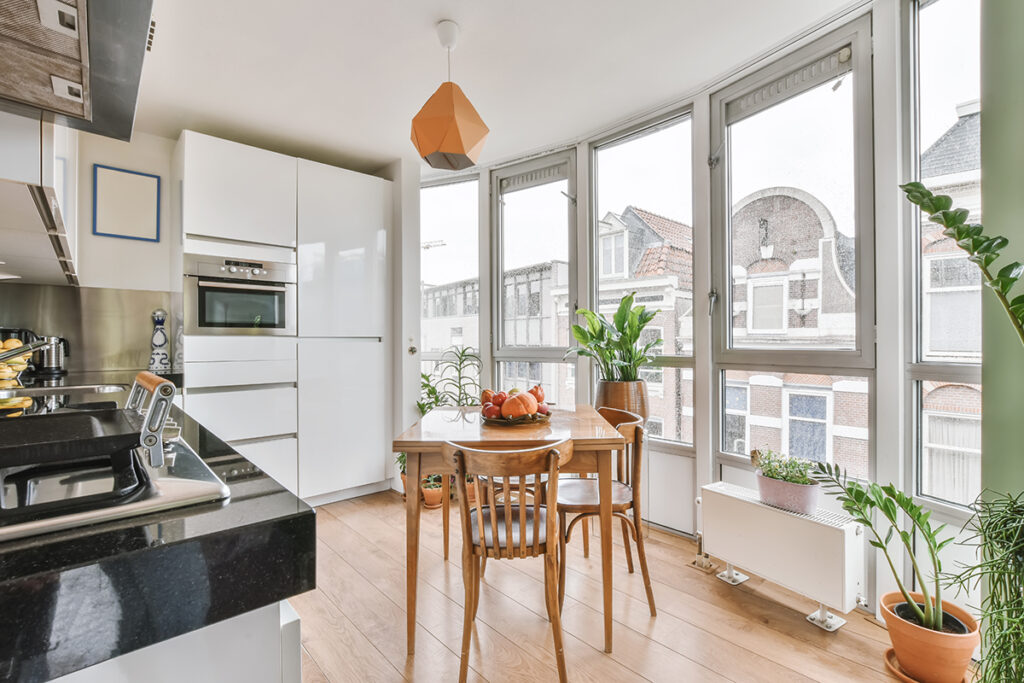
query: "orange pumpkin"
538, 393
486, 396
519, 405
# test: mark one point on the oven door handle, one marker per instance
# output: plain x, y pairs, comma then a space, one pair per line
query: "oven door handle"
240, 285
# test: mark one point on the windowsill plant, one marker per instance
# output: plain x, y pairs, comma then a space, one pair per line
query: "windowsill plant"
615, 347
786, 482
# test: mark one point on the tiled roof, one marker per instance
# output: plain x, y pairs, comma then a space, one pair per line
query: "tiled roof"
958, 150
666, 259
675, 233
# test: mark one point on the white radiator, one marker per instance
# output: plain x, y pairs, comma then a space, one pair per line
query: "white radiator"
820, 556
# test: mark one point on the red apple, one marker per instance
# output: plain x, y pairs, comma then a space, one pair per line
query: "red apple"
543, 409
499, 398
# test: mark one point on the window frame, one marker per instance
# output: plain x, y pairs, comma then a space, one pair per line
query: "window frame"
624, 135
857, 34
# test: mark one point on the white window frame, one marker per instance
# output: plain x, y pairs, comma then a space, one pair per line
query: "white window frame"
612, 272
857, 35
767, 281
787, 392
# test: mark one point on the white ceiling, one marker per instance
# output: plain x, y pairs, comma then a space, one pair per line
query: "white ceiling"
339, 80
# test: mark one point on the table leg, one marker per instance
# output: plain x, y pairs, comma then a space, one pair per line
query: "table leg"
446, 504
412, 546
604, 477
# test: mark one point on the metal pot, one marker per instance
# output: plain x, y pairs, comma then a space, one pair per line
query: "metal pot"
52, 358
628, 396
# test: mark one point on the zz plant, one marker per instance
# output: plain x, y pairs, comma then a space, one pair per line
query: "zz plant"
615, 345
861, 502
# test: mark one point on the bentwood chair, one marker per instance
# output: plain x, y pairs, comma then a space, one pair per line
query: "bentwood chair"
508, 525
580, 497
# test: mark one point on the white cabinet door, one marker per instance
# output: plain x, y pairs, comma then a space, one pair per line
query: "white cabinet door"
277, 457
250, 413
343, 223
343, 414
233, 191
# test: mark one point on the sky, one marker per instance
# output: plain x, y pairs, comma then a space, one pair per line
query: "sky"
805, 142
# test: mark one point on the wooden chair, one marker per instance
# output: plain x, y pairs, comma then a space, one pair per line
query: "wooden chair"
508, 528
581, 497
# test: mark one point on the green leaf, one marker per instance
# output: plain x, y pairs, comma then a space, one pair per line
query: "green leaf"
621, 315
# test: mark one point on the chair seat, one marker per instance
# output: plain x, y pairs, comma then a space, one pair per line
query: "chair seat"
542, 531
583, 495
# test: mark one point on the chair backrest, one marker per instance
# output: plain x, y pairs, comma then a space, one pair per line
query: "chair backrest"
520, 473
630, 460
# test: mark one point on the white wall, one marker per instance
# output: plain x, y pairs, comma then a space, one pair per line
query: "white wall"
123, 263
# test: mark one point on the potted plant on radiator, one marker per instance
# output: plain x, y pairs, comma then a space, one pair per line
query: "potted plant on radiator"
933, 639
786, 482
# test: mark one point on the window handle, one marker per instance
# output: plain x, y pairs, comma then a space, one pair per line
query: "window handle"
712, 300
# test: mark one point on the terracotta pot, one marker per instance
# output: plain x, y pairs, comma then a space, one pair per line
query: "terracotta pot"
629, 396
431, 497
799, 498
925, 655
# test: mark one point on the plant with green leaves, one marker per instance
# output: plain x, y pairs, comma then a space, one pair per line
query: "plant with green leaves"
458, 376
615, 345
861, 502
982, 249
783, 467
998, 526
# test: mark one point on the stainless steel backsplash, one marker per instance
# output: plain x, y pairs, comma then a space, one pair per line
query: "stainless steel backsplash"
107, 329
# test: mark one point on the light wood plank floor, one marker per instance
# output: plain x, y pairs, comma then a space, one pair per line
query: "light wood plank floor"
353, 624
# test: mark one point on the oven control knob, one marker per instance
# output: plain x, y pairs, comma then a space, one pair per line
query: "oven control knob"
233, 269
256, 271
223, 268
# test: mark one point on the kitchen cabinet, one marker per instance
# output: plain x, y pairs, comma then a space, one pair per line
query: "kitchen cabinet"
236, 192
244, 413
343, 414
277, 457
344, 219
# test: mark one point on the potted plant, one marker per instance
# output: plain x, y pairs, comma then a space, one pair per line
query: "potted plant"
431, 488
786, 482
615, 347
933, 639
400, 459
998, 521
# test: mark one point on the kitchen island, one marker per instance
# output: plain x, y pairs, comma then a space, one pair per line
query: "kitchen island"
73, 599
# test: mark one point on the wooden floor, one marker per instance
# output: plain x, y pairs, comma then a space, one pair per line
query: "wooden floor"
353, 624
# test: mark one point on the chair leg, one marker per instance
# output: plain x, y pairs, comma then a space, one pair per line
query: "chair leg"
477, 563
585, 531
551, 600
446, 504
642, 556
467, 619
625, 542
483, 564
561, 560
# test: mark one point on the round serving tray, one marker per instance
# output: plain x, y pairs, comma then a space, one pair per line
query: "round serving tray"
517, 421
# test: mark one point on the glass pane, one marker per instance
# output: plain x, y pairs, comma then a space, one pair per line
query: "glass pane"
802, 405
557, 379
766, 303
818, 417
670, 400
736, 398
791, 188
951, 441
644, 211
449, 266
950, 140
535, 244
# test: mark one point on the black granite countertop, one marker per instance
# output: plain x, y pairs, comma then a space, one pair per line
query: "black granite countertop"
74, 598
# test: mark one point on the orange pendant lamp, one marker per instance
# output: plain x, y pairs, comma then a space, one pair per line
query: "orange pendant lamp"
448, 132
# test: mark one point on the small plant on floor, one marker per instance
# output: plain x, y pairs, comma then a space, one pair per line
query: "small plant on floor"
400, 459
861, 501
783, 467
432, 481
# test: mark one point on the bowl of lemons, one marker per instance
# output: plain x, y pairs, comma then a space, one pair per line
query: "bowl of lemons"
10, 371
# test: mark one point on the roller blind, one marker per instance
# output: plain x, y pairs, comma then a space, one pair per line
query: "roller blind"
793, 83
528, 179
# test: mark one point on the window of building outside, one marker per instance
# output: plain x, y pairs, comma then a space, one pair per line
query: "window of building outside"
449, 269
643, 239
947, 367
535, 217
792, 171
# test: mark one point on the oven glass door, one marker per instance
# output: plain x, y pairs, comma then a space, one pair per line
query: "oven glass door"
241, 305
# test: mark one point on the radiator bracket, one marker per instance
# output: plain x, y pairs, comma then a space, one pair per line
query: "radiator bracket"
824, 619
731, 576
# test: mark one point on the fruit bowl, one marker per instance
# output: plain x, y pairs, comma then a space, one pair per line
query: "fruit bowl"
534, 419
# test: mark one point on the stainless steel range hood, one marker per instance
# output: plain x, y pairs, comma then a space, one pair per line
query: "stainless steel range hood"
38, 201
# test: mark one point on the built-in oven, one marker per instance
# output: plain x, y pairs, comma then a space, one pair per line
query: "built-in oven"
234, 296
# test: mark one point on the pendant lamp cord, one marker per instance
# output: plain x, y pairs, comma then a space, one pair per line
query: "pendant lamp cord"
449, 65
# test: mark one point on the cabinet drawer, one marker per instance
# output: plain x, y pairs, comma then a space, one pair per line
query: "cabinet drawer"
238, 414
277, 457
237, 373
203, 348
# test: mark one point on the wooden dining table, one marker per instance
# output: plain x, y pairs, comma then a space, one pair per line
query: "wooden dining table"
594, 442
